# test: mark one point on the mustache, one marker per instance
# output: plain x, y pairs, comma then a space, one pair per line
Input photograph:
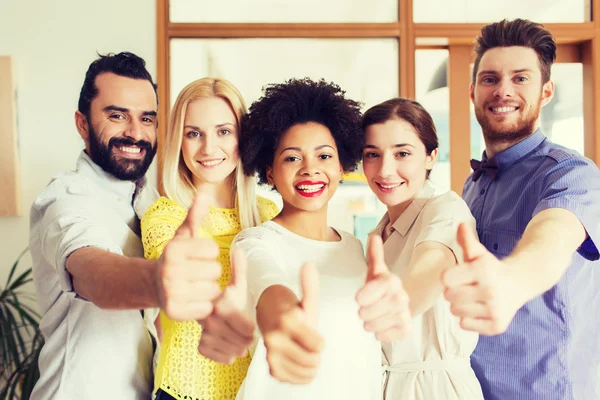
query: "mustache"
124, 141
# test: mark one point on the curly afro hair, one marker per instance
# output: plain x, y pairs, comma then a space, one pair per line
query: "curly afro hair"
298, 101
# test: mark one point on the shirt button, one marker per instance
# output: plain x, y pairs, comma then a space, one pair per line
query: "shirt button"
482, 191
495, 246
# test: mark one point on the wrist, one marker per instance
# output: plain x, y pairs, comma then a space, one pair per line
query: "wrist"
156, 286
518, 281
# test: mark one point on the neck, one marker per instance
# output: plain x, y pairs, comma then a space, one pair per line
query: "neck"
496, 146
221, 194
308, 224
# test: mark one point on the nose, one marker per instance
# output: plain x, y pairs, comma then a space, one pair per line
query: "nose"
135, 130
309, 168
208, 145
387, 167
504, 89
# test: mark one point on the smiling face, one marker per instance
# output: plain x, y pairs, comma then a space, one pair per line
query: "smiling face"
508, 94
395, 162
210, 141
120, 131
306, 168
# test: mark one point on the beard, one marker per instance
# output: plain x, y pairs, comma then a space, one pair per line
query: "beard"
120, 167
501, 132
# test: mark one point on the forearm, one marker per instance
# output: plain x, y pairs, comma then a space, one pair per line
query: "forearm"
422, 283
274, 302
112, 281
544, 252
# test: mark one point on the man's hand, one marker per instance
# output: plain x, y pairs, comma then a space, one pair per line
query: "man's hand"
294, 346
188, 270
480, 290
382, 300
228, 332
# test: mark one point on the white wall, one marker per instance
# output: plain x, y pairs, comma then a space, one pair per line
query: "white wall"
53, 43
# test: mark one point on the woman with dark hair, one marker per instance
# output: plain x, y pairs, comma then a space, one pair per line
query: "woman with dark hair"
303, 275
419, 234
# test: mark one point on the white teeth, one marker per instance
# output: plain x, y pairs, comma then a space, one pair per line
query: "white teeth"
504, 109
132, 150
211, 163
310, 188
390, 186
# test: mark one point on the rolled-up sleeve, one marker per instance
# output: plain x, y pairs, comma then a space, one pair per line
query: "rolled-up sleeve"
574, 185
65, 226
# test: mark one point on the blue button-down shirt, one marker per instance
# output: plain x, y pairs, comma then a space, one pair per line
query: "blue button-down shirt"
551, 350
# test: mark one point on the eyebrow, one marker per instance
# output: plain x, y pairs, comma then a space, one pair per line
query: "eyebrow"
299, 149
216, 126
370, 146
126, 110
514, 71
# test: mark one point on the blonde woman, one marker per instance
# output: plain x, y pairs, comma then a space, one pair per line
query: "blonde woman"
199, 154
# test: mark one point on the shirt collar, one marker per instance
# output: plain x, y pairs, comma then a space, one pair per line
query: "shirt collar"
109, 182
514, 153
409, 216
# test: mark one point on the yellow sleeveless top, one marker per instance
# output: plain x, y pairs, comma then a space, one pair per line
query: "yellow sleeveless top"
182, 371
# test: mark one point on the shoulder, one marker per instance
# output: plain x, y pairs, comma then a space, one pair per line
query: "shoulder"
264, 234
563, 167
267, 209
559, 156
164, 210
351, 240
67, 190
448, 204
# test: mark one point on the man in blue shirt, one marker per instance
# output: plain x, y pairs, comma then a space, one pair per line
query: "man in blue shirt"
534, 280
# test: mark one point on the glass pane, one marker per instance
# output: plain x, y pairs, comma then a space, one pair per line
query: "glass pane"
432, 92
483, 11
366, 68
283, 11
561, 119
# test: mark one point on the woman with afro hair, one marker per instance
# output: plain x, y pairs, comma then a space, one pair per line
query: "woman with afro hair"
315, 300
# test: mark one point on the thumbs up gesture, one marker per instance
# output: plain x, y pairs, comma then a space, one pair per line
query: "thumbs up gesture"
228, 332
188, 269
479, 290
382, 300
293, 344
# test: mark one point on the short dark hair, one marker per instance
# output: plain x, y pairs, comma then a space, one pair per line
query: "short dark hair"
518, 32
407, 110
298, 101
123, 64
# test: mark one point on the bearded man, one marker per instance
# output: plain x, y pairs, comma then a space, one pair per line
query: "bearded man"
99, 297
528, 286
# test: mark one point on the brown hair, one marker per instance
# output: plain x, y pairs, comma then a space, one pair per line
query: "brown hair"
518, 32
409, 111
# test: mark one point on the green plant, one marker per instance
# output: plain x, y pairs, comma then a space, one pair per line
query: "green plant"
20, 336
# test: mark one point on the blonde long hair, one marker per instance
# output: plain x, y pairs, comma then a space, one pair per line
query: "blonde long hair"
174, 177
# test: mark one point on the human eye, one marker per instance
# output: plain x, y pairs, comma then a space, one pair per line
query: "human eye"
370, 154
325, 156
148, 120
291, 158
488, 80
224, 131
521, 79
117, 116
402, 154
192, 134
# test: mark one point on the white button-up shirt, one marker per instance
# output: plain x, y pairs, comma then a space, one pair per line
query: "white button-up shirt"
90, 353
